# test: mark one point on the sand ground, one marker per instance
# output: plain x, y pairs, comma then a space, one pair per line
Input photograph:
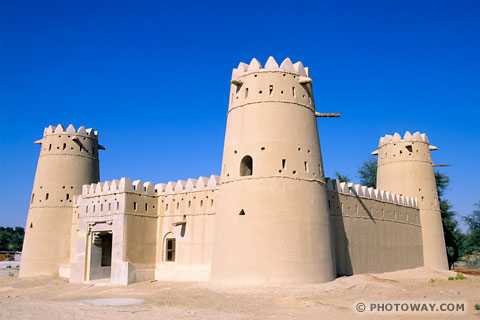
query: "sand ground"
56, 298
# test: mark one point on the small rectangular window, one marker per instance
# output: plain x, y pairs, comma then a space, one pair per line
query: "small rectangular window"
146, 207
284, 163
306, 166
101, 207
109, 206
67, 196
86, 209
46, 196
135, 206
118, 205
170, 250
33, 194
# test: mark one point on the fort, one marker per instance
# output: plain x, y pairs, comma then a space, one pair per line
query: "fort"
271, 216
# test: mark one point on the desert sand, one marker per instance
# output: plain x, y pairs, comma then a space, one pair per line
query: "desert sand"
56, 298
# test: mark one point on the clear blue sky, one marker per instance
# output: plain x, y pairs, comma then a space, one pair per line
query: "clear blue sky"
153, 78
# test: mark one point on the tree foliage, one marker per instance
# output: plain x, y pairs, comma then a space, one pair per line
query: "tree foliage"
11, 239
453, 236
472, 238
341, 177
368, 173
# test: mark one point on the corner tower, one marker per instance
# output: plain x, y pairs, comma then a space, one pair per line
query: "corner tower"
405, 167
68, 159
272, 223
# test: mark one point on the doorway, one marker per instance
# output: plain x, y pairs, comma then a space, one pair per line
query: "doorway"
101, 255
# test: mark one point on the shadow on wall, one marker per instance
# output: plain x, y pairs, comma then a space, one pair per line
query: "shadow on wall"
342, 247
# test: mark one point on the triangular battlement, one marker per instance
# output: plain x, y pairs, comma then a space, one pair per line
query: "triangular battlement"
59, 129
270, 65
417, 136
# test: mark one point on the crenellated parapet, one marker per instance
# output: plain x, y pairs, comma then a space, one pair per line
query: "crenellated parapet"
270, 65
59, 129
370, 193
417, 136
118, 186
190, 185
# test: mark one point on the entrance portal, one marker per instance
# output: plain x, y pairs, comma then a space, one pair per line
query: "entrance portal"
101, 255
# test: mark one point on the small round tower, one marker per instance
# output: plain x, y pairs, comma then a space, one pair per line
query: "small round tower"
405, 167
272, 222
68, 159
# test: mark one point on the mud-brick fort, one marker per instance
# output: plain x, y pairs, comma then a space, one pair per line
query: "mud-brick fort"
270, 217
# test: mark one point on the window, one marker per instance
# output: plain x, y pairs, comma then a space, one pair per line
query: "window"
67, 196
170, 249
46, 196
33, 195
135, 206
242, 213
246, 166
146, 207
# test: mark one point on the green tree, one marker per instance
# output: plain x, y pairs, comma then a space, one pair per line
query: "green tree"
368, 173
453, 237
472, 238
341, 177
11, 239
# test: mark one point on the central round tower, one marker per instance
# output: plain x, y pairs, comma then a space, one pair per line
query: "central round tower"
272, 222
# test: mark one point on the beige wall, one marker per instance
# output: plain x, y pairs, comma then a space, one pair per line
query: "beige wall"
372, 235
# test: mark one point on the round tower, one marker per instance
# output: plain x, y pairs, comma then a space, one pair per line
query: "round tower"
272, 223
68, 159
405, 167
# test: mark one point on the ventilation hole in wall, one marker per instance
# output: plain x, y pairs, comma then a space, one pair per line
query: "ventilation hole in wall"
242, 213
280, 171
308, 151
67, 196
135, 206
46, 196
271, 89
262, 148
293, 91
260, 92
309, 98
409, 148
235, 151
294, 171
294, 77
284, 75
58, 148
284, 163
33, 195
64, 146
146, 207
314, 174
246, 166
71, 187
255, 76
303, 96
401, 152
31, 225
299, 149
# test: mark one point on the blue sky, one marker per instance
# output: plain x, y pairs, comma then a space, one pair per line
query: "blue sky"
153, 78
